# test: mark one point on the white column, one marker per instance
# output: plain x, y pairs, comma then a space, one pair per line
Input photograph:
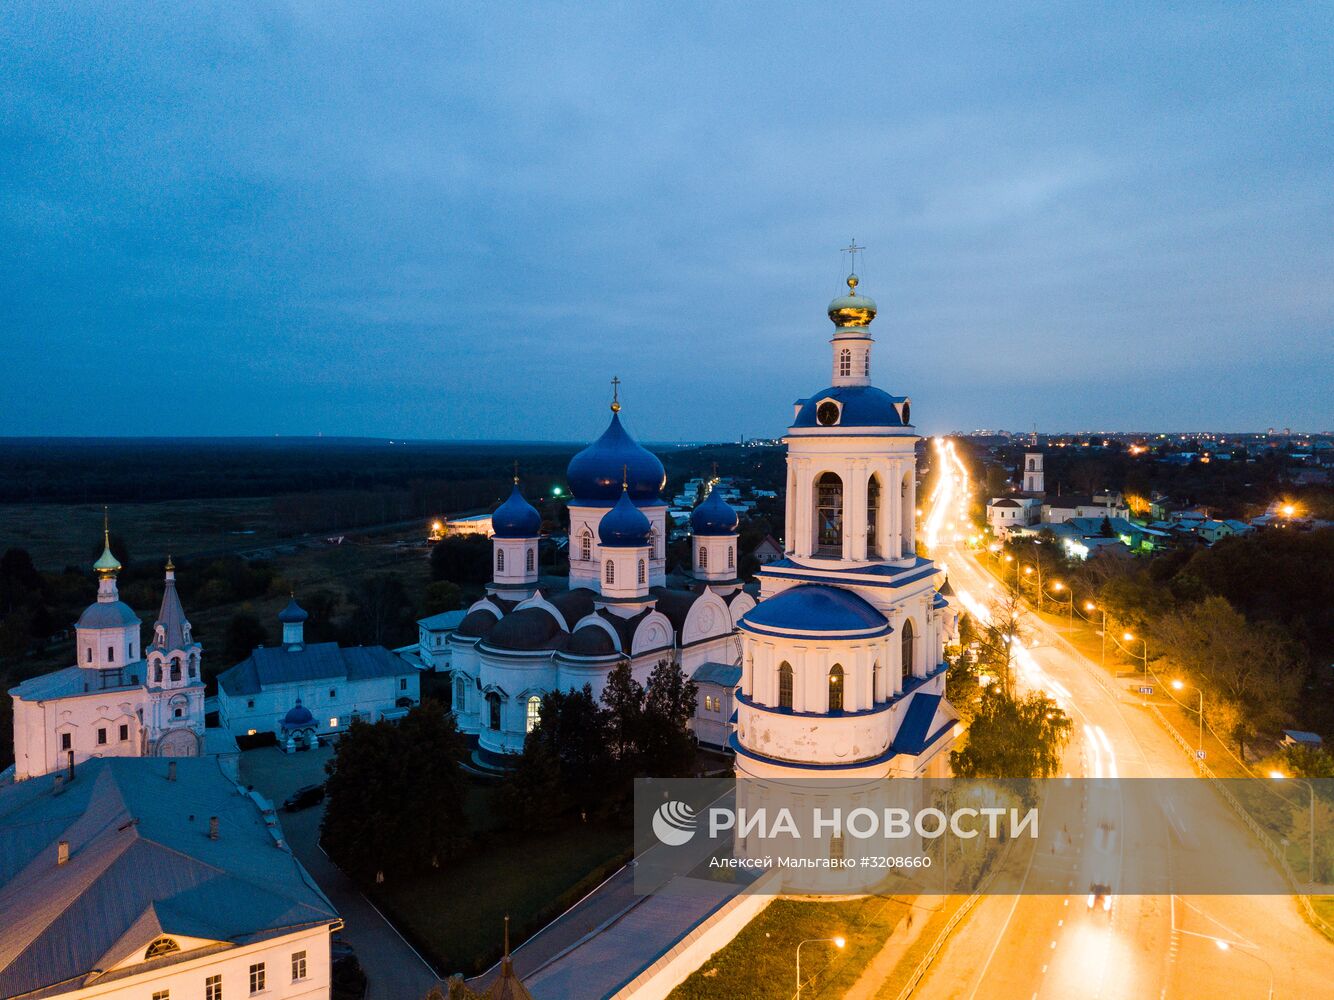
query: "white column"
854, 512
803, 529
790, 511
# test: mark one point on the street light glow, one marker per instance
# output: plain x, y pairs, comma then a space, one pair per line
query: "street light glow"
1178, 685
1277, 775
1058, 586
839, 942
1222, 945
1088, 605
1128, 637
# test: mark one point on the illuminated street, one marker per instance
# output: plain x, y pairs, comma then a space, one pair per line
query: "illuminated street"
1147, 946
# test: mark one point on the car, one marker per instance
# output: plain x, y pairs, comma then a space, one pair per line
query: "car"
1100, 897
304, 798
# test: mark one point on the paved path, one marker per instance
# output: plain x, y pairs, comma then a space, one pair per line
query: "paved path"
900, 939
393, 970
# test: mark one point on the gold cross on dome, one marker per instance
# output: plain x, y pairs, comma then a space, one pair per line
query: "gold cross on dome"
615, 394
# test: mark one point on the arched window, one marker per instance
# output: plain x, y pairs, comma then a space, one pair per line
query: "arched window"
909, 513
534, 713
873, 517
1032, 464
586, 545
866, 363
653, 538
493, 710
194, 667
845, 362
876, 693
829, 515
785, 685
731, 557
460, 693
500, 560
175, 668
703, 557
906, 639
162, 946
836, 688
530, 560
157, 672
609, 574
643, 574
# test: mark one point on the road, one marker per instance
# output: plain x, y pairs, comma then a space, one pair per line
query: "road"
1167, 946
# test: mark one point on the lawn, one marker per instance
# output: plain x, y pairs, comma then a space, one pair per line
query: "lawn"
451, 916
760, 962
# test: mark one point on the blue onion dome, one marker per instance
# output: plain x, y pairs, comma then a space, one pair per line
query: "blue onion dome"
298, 716
852, 310
715, 516
516, 517
595, 474
857, 406
293, 614
624, 526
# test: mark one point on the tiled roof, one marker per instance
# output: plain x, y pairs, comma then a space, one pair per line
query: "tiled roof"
315, 661
141, 864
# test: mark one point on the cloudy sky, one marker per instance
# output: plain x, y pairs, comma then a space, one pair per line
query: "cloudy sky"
365, 219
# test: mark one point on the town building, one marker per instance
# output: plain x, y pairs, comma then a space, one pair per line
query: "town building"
528, 637
1062, 508
119, 699
843, 668
1005, 514
131, 879
302, 692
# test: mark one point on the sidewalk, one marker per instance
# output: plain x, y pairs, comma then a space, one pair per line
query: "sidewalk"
901, 938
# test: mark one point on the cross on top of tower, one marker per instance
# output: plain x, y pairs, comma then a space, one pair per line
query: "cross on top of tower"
615, 394
852, 250
516, 472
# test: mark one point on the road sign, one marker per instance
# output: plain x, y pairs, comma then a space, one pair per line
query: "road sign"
1146, 689
1199, 754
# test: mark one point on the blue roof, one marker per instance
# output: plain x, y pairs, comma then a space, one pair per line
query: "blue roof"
293, 614
863, 406
816, 608
624, 526
715, 516
314, 661
915, 730
297, 716
595, 474
723, 674
516, 517
107, 614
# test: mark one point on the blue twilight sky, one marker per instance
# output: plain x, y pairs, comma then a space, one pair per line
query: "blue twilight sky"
460, 220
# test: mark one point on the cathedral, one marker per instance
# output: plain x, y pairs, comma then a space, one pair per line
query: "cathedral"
837, 670
119, 699
523, 640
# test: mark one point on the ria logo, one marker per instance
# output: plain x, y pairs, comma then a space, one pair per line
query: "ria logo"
674, 823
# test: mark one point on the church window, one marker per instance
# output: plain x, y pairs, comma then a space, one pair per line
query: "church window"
493, 710
703, 557
194, 667
642, 572
610, 574
785, 685
460, 693
213, 988
257, 978
836, 847
836, 688
101, 736
876, 693
65, 741
178, 713
500, 560
298, 966
731, 557
907, 646
845, 362
89, 657
157, 671
873, 517
829, 514
333, 723
162, 946
530, 560
586, 545
131, 651
124, 732
175, 668
534, 713
111, 654
161, 995
402, 683
866, 363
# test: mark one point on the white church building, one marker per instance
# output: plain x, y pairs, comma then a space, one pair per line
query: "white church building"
119, 699
524, 639
843, 667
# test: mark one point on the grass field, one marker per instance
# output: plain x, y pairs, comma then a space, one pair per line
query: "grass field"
760, 964
452, 915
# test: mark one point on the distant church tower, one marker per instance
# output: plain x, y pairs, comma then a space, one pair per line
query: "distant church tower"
1033, 474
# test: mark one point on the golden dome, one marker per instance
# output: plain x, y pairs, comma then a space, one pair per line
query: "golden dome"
852, 309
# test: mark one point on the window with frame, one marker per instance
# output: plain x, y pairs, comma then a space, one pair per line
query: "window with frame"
175, 668
298, 965
213, 988
586, 545
609, 574
111, 654
866, 363
534, 713
161, 995
493, 710
66, 740
906, 641
530, 560
703, 557
845, 362
162, 946
785, 685
90, 654
500, 560
124, 732
101, 736
829, 514
873, 516
642, 572
402, 683
731, 557
836, 688
257, 978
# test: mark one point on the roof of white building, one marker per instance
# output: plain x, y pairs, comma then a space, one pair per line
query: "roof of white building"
444, 622
315, 661
141, 866
72, 681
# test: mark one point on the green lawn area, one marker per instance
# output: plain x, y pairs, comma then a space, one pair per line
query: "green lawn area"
1324, 908
451, 915
760, 962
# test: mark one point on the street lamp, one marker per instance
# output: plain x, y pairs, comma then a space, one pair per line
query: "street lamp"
1226, 946
837, 942
1310, 870
1069, 602
1102, 630
1144, 654
1199, 747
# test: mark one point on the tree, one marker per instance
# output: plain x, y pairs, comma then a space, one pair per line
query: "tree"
462, 559
666, 749
1012, 737
442, 596
244, 633
395, 795
563, 770
1003, 630
1248, 665
382, 614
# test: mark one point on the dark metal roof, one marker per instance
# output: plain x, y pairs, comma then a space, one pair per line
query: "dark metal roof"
590, 641
477, 623
279, 665
531, 628
675, 604
573, 605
